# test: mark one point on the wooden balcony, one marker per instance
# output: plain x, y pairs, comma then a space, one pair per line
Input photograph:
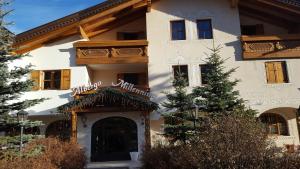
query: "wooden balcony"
271, 47
111, 52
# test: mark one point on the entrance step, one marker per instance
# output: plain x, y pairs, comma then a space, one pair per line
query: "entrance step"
115, 165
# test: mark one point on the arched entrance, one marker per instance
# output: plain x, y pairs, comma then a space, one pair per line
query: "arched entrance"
113, 139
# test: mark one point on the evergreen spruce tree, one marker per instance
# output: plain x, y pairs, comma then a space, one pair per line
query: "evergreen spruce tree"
180, 119
218, 97
13, 84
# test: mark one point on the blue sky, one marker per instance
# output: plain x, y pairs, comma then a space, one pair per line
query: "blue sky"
29, 14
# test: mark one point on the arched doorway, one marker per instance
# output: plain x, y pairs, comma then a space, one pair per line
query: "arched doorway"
113, 139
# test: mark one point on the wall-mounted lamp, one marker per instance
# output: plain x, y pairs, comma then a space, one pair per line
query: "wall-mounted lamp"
83, 119
142, 120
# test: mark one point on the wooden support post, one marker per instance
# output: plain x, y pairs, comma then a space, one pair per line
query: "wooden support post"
147, 130
74, 127
298, 121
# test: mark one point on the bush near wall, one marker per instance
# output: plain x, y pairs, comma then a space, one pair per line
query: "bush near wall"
227, 142
54, 154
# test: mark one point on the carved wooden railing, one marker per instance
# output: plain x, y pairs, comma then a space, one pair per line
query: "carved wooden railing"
111, 52
270, 47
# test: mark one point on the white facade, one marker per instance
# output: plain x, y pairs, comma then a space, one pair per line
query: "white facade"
164, 53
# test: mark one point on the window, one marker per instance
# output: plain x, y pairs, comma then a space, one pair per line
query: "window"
181, 69
51, 79
276, 72
204, 70
178, 30
131, 35
252, 29
274, 124
204, 29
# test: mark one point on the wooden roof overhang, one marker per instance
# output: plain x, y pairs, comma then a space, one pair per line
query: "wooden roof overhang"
283, 13
87, 23
109, 99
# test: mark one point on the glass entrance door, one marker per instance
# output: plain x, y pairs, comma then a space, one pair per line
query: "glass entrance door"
113, 139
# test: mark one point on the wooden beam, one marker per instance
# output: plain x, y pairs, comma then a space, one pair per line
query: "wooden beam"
110, 11
281, 5
122, 21
141, 4
234, 3
278, 13
265, 17
149, 4
256, 38
74, 127
100, 22
83, 33
39, 40
110, 43
147, 130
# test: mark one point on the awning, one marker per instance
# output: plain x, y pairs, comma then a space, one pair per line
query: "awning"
110, 97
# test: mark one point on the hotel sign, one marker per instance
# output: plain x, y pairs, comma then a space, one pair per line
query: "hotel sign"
121, 84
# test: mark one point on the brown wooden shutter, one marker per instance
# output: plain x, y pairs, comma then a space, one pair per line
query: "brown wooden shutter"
271, 74
280, 72
65, 79
36, 77
260, 29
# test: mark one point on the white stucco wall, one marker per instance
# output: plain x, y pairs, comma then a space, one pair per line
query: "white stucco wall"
109, 73
57, 55
163, 53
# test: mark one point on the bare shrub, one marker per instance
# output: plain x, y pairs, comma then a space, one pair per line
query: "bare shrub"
55, 154
227, 142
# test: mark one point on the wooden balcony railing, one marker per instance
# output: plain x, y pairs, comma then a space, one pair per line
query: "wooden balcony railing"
111, 52
271, 47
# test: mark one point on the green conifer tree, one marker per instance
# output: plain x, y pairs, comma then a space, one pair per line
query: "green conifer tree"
218, 97
180, 118
13, 83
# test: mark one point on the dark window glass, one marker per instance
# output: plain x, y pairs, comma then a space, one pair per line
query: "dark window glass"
204, 70
181, 69
274, 124
52, 79
129, 36
178, 30
204, 29
248, 30
132, 78
257, 29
